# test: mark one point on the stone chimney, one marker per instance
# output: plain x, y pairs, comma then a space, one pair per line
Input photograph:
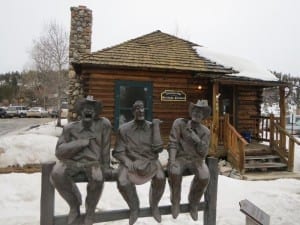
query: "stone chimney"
80, 42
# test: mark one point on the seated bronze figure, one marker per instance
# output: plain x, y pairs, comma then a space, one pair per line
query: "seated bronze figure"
138, 144
188, 147
83, 148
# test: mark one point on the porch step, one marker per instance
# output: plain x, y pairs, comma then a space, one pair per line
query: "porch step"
264, 162
262, 157
265, 165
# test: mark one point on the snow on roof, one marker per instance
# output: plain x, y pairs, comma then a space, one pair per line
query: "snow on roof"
244, 67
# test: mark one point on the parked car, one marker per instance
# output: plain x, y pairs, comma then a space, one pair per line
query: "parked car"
37, 112
293, 124
16, 111
53, 113
2, 113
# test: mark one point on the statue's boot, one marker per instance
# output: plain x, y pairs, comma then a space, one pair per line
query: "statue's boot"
94, 190
130, 195
88, 221
194, 211
155, 213
73, 214
175, 191
133, 216
175, 209
197, 189
156, 191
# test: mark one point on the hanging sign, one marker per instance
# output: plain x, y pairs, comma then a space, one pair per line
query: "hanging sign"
172, 95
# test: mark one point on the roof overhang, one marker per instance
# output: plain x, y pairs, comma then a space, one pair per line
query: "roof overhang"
250, 82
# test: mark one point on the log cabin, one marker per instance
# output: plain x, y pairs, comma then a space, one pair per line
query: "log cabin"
168, 73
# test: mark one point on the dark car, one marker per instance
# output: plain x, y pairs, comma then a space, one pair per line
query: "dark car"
2, 113
53, 113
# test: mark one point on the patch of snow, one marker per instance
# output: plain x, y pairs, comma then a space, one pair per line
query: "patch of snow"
244, 67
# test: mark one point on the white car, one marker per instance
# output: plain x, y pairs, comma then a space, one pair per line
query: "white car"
16, 111
37, 112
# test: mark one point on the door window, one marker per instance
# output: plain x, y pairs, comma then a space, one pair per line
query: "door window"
126, 93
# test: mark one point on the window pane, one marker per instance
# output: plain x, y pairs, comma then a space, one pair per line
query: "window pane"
127, 92
128, 95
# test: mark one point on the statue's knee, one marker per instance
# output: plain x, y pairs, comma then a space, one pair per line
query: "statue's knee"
175, 171
160, 175
57, 175
123, 182
96, 184
97, 175
203, 179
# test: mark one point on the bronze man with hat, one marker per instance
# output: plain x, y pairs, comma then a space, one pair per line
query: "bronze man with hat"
83, 148
188, 147
138, 144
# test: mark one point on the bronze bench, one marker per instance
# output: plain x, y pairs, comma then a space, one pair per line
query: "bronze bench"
47, 217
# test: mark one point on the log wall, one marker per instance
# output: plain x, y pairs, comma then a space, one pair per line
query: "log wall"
248, 106
101, 85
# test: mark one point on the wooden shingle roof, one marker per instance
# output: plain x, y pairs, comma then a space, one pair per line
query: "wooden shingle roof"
156, 50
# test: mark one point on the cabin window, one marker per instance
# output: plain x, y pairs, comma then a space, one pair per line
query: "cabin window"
126, 93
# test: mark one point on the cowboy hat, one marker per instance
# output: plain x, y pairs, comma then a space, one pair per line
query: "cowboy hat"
89, 100
201, 105
143, 171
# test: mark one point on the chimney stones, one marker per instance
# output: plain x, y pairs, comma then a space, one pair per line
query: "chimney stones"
80, 42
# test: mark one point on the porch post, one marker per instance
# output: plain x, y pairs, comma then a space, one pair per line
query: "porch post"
282, 116
215, 119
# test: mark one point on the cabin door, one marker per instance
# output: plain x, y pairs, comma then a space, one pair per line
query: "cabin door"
126, 93
226, 102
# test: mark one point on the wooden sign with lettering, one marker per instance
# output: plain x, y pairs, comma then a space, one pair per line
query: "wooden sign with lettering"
254, 215
172, 95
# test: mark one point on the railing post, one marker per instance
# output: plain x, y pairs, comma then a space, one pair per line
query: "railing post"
241, 157
47, 196
272, 131
291, 155
226, 122
210, 196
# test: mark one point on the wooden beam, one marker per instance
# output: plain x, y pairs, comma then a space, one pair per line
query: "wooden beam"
210, 196
47, 196
254, 215
215, 119
282, 116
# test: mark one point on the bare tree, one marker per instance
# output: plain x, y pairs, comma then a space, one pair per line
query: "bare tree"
50, 57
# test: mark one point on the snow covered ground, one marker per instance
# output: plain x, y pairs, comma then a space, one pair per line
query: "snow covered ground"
20, 193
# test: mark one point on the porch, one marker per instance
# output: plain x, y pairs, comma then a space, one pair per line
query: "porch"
271, 147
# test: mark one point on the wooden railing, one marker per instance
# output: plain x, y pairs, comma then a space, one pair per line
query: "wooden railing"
281, 141
269, 130
262, 132
278, 143
235, 145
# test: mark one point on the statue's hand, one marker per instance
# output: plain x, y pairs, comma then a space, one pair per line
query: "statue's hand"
129, 165
156, 122
193, 135
84, 142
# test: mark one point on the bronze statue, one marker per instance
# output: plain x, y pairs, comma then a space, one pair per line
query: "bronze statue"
83, 148
137, 147
188, 147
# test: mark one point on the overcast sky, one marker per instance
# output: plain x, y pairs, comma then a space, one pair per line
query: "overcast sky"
264, 31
